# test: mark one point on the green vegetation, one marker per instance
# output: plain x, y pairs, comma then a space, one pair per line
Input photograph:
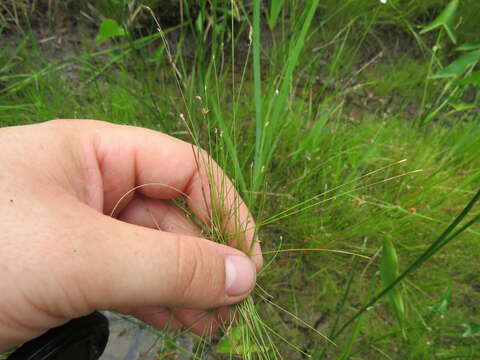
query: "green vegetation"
310, 106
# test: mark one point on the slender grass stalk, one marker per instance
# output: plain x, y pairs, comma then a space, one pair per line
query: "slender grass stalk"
266, 141
311, 203
257, 80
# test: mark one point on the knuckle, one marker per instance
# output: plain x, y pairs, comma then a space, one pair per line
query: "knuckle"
57, 122
188, 267
195, 279
61, 124
72, 125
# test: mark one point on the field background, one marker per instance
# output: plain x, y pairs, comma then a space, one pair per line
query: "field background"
297, 100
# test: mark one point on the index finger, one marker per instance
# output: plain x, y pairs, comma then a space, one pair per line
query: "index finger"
131, 156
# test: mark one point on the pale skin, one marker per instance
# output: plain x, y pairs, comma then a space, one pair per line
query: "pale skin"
62, 256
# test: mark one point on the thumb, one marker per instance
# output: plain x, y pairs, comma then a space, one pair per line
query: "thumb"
133, 266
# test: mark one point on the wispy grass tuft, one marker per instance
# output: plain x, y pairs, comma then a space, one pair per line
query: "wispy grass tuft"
311, 124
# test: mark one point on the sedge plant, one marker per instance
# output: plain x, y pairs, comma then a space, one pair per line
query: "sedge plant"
251, 337
312, 194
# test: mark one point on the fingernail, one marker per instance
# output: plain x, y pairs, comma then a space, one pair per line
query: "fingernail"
240, 275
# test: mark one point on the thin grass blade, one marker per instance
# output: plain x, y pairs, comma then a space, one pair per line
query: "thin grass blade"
389, 272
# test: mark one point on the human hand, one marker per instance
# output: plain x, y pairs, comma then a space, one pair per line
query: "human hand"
62, 255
